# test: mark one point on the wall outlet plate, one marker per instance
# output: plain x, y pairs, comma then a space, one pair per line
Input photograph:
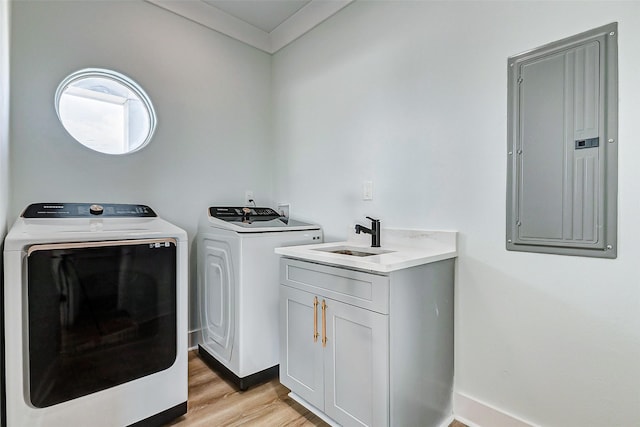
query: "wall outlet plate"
284, 209
248, 198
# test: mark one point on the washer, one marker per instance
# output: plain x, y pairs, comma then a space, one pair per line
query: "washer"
238, 279
95, 313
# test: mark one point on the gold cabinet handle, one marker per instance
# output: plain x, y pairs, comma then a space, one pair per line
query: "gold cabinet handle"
324, 323
315, 319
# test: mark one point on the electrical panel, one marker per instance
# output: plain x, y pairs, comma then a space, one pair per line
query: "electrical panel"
562, 146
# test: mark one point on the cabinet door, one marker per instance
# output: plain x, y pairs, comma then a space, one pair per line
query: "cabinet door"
300, 355
356, 361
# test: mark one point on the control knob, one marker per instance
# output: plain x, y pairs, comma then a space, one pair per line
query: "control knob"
96, 209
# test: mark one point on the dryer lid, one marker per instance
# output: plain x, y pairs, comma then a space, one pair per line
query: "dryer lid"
74, 222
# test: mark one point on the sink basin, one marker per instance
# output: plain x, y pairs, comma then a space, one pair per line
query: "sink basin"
353, 251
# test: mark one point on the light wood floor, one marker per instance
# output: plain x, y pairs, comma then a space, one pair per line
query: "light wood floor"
213, 402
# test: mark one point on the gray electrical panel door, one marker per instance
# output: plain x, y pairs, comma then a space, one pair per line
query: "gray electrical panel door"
562, 149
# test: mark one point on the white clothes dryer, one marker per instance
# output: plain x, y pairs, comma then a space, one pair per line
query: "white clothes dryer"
95, 317
238, 283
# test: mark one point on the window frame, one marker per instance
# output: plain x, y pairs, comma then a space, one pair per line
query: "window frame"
116, 77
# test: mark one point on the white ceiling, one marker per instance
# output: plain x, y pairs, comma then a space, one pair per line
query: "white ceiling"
264, 14
268, 25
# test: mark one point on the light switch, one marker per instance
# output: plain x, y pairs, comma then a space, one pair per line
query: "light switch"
367, 190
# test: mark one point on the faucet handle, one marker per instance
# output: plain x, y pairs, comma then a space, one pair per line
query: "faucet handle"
372, 219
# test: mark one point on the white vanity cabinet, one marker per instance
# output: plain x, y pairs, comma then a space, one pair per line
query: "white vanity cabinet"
368, 349
334, 355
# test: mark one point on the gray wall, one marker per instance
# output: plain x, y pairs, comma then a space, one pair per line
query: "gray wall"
211, 94
413, 96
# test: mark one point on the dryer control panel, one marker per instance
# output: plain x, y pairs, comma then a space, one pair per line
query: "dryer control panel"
87, 210
227, 213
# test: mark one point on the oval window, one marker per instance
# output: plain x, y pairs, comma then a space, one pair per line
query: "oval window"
105, 111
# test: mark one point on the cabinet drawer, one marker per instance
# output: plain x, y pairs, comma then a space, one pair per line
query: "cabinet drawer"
370, 291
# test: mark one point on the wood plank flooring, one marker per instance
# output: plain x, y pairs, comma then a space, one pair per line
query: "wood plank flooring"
214, 402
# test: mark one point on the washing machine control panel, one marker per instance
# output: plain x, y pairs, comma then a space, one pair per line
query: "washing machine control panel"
227, 213
87, 210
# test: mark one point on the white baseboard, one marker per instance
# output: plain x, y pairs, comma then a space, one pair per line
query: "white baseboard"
448, 421
194, 339
474, 413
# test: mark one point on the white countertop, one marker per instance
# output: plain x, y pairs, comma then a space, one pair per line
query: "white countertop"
402, 249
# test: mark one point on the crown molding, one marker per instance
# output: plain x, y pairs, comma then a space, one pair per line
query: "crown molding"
306, 18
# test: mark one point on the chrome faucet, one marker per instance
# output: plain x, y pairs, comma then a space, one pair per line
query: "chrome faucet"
374, 231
